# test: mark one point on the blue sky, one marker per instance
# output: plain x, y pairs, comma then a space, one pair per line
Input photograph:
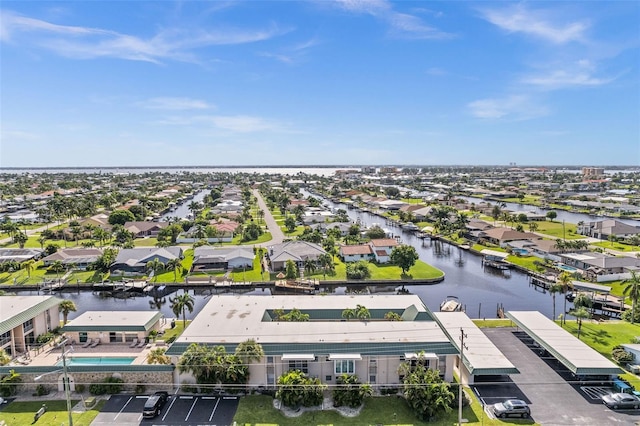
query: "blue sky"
86, 83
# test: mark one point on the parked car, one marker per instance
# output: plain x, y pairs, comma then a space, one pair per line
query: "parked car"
511, 407
621, 400
154, 404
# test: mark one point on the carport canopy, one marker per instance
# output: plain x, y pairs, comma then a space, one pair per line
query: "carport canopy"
481, 356
573, 353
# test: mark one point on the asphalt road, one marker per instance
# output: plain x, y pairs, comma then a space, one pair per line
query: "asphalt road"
180, 410
543, 384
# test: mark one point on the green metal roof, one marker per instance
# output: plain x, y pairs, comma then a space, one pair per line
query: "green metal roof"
377, 348
29, 313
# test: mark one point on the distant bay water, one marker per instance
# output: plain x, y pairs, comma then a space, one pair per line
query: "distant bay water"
281, 170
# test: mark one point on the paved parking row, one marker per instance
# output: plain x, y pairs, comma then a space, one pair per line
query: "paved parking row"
547, 386
180, 410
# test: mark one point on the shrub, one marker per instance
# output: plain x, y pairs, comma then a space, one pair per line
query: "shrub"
621, 356
110, 385
140, 388
80, 387
45, 338
350, 391
41, 390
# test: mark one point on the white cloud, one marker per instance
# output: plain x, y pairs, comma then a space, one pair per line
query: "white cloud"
87, 43
244, 124
514, 107
537, 23
401, 24
560, 78
174, 104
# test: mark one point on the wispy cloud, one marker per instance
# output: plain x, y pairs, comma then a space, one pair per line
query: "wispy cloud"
401, 24
292, 54
87, 43
175, 104
231, 123
537, 23
561, 79
514, 107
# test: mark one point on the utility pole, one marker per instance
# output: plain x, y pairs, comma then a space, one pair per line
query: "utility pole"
463, 335
67, 385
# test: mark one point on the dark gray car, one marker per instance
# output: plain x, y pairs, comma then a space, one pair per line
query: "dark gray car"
511, 407
621, 400
154, 404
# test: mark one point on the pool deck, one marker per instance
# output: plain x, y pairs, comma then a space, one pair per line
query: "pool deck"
52, 356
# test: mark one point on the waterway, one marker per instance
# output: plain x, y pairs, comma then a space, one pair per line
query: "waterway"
182, 210
569, 217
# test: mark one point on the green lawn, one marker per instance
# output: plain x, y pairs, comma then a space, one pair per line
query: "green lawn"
604, 336
420, 270
525, 262
554, 229
390, 410
493, 323
616, 246
20, 413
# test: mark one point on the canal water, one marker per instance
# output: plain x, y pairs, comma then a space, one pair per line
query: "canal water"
182, 210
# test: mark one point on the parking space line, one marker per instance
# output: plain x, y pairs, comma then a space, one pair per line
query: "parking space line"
230, 397
122, 409
191, 409
173, 400
214, 409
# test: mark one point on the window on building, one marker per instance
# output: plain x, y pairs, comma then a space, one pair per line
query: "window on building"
28, 325
5, 338
345, 366
299, 365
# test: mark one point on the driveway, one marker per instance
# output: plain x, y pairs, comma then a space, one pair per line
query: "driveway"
542, 382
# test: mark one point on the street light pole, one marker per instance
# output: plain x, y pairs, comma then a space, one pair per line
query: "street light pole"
461, 366
67, 385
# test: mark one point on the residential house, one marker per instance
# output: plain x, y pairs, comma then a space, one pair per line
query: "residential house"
19, 255
382, 249
354, 253
145, 229
134, 261
501, 236
24, 318
206, 258
327, 346
602, 267
100, 220
605, 228
325, 226
296, 251
77, 258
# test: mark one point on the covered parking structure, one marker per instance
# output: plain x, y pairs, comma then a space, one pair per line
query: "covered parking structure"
481, 356
579, 358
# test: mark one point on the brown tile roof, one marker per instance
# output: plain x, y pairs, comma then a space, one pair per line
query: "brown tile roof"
357, 249
384, 242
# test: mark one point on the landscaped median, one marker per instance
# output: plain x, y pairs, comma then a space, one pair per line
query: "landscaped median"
21, 413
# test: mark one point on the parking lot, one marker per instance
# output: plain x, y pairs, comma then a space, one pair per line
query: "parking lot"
180, 410
547, 386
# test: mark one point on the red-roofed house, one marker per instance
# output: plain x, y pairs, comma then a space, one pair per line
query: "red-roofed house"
382, 249
356, 252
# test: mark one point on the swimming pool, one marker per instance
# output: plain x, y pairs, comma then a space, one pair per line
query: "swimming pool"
99, 360
567, 268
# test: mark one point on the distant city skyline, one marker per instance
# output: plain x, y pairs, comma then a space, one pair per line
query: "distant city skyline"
226, 84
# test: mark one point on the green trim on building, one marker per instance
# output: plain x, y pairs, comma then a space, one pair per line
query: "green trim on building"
88, 368
377, 348
30, 313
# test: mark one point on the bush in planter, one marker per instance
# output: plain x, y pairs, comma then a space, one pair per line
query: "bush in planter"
41, 390
621, 356
110, 385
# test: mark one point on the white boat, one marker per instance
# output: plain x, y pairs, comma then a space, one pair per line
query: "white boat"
451, 304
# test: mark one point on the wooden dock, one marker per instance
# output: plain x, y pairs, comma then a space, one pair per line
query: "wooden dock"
300, 285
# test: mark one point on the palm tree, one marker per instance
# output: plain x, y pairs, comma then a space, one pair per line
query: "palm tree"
349, 314
580, 314
42, 240
632, 289
566, 281
362, 313
249, 351
175, 265
553, 290
326, 263
155, 265
28, 265
309, 266
65, 307
180, 304
157, 356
